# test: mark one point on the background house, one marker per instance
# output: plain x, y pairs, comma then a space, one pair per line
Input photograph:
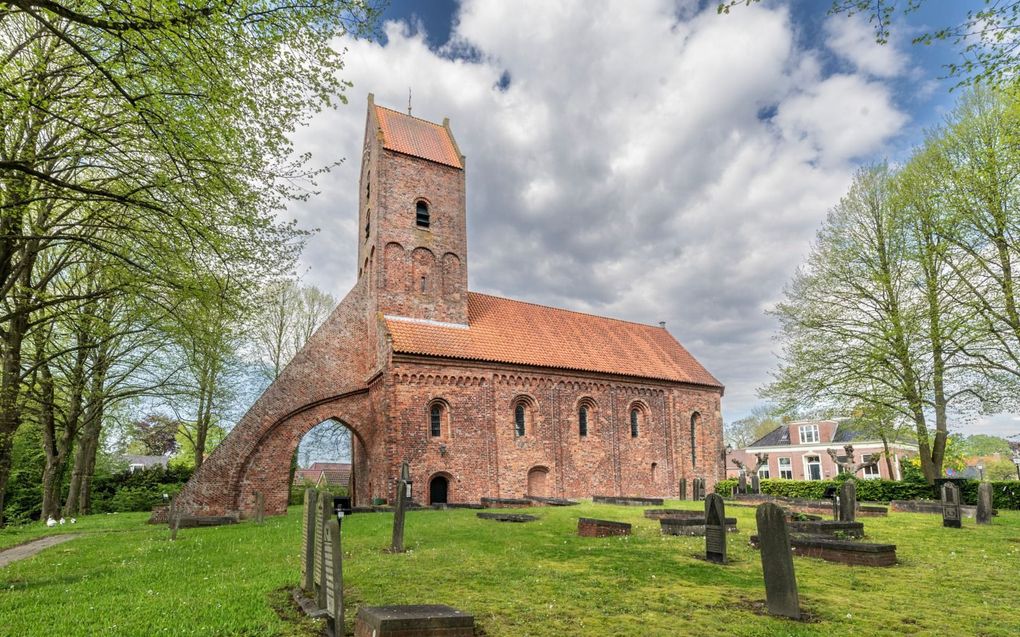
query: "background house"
325, 474
140, 463
799, 451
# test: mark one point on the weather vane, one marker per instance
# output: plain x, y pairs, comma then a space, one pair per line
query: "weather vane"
408, 100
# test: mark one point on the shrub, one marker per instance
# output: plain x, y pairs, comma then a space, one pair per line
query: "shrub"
1005, 494
138, 491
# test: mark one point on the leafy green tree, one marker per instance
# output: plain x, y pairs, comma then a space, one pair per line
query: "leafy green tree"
187, 437
762, 419
868, 321
156, 135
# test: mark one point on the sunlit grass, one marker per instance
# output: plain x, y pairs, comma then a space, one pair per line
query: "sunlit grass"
536, 578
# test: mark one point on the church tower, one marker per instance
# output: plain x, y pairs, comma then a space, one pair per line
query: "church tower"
412, 249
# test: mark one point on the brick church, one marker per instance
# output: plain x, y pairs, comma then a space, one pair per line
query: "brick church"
483, 396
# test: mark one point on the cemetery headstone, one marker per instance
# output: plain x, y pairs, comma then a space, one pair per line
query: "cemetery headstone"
323, 512
332, 564
984, 503
781, 596
699, 489
848, 501
950, 505
175, 519
403, 495
683, 488
308, 518
742, 483
715, 529
755, 484
260, 507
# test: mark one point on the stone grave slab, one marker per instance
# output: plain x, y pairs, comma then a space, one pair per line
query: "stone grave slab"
627, 500
590, 527
507, 517
413, 621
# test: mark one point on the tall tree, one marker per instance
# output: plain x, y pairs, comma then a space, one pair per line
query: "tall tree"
141, 131
289, 313
864, 322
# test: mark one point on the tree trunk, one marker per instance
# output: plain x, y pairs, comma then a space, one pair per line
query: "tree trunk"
888, 455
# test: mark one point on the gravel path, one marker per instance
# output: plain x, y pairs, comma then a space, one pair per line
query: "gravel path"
29, 549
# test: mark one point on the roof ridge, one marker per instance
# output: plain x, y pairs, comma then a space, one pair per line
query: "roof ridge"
420, 119
563, 309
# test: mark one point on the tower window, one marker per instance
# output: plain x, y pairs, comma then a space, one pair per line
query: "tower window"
582, 420
634, 414
519, 420
436, 420
368, 228
421, 217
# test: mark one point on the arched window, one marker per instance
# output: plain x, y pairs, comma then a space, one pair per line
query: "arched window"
519, 414
421, 214
436, 420
694, 438
635, 414
582, 420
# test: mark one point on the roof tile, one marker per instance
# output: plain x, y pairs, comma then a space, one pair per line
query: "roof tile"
508, 331
417, 137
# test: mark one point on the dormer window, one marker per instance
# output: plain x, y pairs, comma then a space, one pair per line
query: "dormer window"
808, 434
421, 214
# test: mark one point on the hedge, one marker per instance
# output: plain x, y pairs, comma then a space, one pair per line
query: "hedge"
138, 491
1005, 494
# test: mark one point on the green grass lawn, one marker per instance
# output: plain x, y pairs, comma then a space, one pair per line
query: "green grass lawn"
123, 577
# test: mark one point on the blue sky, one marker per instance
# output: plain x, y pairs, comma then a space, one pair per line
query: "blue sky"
650, 160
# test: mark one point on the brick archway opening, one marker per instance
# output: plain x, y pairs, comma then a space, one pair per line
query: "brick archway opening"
266, 466
324, 458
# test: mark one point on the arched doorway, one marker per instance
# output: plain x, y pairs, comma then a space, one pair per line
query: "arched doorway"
439, 489
537, 482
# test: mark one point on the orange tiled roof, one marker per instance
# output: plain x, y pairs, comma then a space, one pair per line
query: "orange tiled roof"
508, 331
412, 136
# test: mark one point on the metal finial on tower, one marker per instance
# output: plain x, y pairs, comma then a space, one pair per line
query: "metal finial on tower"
408, 100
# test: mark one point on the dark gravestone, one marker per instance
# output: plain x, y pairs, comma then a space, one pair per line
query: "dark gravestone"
323, 513
699, 489
984, 503
308, 540
715, 529
848, 501
742, 483
950, 505
333, 577
403, 495
755, 484
175, 519
683, 488
781, 596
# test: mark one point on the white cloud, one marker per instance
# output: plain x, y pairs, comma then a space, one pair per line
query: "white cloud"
853, 39
639, 164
